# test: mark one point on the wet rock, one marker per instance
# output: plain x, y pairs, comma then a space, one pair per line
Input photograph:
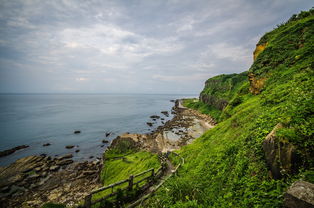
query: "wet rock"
173, 101
64, 162
166, 113
105, 141
33, 176
149, 124
11, 151
46, 144
155, 117
102, 145
77, 150
67, 156
77, 132
91, 157
69, 146
54, 168
108, 134
299, 194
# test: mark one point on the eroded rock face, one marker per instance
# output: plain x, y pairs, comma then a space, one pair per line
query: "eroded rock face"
256, 84
259, 49
214, 101
300, 194
280, 155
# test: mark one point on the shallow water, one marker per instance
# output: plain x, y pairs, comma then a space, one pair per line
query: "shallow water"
35, 119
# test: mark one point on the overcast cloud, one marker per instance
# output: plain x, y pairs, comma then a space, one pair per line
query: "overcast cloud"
148, 46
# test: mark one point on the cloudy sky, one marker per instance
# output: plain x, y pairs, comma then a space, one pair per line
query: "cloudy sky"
149, 46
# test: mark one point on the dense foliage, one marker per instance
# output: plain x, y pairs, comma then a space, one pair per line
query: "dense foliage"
226, 167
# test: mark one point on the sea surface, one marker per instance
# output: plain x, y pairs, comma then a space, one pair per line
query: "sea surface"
36, 119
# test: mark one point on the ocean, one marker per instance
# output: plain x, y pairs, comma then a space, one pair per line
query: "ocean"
37, 119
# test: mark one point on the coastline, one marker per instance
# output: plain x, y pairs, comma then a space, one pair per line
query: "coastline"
35, 180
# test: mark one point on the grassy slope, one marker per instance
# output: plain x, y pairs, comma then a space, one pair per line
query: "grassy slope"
120, 169
226, 166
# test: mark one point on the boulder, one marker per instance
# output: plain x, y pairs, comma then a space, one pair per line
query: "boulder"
108, 134
77, 132
77, 150
155, 117
46, 144
149, 124
299, 194
280, 154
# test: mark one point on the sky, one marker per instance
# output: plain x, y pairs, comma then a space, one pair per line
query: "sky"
118, 46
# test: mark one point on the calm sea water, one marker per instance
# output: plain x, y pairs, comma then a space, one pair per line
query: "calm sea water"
38, 119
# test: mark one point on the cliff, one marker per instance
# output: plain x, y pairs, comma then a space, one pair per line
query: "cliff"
264, 139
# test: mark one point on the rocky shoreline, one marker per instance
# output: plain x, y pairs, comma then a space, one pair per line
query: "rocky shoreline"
34, 180
182, 129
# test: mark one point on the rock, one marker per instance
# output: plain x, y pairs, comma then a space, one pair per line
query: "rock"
105, 141
67, 156
173, 101
54, 168
77, 150
69, 146
47, 144
38, 169
33, 176
166, 113
64, 162
280, 155
162, 119
77, 132
155, 117
108, 134
299, 194
102, 145
149, 124
11, 151
90, 157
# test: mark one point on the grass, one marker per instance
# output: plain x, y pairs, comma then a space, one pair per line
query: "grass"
226, 166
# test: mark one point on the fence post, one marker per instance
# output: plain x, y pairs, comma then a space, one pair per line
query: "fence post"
88, 201
130, 183
153, 173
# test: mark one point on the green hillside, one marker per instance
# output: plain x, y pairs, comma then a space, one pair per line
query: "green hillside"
270, 106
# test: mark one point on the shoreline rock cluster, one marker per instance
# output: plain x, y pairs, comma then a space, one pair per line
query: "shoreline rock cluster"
183, 128
34, 180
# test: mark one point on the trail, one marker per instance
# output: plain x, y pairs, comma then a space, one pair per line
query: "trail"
168, 173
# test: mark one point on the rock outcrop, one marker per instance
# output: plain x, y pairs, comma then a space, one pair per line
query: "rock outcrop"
300, 194
11, 151
280, 154
256, 84
259, 49
34, 180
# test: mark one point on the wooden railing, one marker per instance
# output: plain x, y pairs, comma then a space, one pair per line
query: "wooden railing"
131, 183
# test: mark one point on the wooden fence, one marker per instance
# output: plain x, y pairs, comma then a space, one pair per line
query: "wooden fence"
130, 184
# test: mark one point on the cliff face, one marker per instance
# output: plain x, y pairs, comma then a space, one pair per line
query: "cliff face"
265, 129
219, 90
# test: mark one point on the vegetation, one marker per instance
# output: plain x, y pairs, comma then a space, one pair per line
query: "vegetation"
226, 167
52, 205
123, 159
